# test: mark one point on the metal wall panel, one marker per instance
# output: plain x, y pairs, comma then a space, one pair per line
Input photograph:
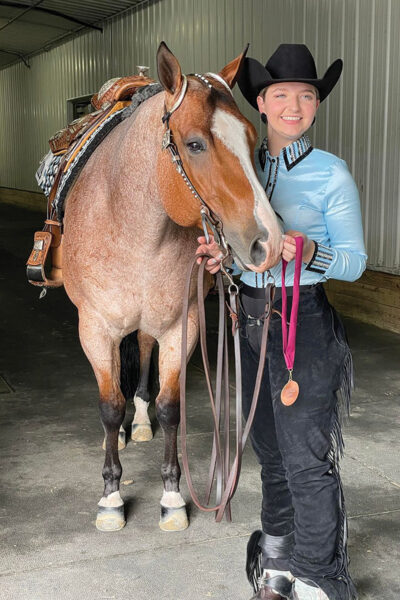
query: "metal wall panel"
360, 121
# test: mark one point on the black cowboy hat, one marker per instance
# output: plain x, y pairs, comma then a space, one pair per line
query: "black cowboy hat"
289, 62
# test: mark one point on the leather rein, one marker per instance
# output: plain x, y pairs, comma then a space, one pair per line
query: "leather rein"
226, 475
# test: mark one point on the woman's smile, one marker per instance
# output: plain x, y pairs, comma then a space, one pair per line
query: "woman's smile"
290, 109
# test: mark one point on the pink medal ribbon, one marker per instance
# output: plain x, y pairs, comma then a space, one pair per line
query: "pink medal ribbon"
291, 390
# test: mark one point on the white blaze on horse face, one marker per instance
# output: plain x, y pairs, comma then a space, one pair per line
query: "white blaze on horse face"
232, 133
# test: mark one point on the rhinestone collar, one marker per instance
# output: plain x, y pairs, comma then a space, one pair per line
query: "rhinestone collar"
291, 154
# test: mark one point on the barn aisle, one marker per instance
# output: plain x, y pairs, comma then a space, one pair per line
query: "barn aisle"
50, 442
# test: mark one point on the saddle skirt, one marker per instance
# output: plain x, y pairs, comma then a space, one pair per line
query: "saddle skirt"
70, 149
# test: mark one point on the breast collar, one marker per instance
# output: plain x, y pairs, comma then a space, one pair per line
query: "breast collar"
292, 154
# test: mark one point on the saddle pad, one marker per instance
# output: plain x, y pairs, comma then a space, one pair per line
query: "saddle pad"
47, 171
83, 152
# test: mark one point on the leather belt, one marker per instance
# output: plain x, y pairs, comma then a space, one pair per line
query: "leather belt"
259, 293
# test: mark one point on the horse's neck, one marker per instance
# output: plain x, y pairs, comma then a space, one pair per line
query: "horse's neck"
136, 174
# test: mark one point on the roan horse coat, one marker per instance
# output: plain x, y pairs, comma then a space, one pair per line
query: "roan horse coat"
130, 231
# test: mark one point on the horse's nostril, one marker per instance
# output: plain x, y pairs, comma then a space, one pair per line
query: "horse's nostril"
257, 251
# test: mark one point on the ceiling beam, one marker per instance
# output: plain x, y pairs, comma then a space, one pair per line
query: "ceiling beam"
21, 56
47, 11
20, 15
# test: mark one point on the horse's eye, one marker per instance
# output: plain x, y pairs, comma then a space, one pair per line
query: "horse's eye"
196, 146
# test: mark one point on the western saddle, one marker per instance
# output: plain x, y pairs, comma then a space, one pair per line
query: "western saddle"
112, 97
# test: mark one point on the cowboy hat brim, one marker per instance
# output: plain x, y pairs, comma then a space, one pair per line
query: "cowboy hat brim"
254, 77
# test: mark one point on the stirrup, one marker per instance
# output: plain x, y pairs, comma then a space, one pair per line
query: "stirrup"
50, 239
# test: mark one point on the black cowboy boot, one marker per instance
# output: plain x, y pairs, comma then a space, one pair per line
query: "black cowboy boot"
266, 586
265, 593
277, 587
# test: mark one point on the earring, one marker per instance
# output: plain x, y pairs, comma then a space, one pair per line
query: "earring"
264, 118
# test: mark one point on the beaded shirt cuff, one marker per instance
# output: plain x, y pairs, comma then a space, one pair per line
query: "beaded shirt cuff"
321, 259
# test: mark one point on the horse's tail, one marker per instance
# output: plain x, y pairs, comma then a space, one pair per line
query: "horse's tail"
130, 365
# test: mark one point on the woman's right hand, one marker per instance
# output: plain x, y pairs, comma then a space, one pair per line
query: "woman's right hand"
213, 264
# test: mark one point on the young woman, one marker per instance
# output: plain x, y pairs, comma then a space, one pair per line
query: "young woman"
301, 553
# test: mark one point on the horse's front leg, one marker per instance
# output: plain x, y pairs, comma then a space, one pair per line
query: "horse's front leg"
141, 426
173, 508
103, 353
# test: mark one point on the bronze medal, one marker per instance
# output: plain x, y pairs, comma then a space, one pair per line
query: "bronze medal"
290, 392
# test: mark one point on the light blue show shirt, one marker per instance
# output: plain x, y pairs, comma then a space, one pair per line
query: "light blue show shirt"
313, 192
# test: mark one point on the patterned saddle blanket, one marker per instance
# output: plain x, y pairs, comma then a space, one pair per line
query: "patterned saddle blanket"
71, 147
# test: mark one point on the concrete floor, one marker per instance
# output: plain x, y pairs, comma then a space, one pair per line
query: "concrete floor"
51, 453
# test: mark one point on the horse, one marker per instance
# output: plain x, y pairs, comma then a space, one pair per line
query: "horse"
130, 227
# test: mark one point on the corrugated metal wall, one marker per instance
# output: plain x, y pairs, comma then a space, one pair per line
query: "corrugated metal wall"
359, 122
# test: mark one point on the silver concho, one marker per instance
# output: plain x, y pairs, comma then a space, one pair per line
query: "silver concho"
166, 141
38, 245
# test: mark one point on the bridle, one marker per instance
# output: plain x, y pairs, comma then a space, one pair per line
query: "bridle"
226, 475
208, 217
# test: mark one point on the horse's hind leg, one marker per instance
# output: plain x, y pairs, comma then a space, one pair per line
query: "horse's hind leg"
103, 353
173, 508
141, 426
129, 356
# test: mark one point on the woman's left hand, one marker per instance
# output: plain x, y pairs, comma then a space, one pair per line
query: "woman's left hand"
289, 246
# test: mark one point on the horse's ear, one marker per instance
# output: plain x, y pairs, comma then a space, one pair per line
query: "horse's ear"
231, 72
169, 70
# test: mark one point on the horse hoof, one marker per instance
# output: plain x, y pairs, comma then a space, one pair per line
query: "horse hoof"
110, 518
121, 442
141, 432
173, 519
